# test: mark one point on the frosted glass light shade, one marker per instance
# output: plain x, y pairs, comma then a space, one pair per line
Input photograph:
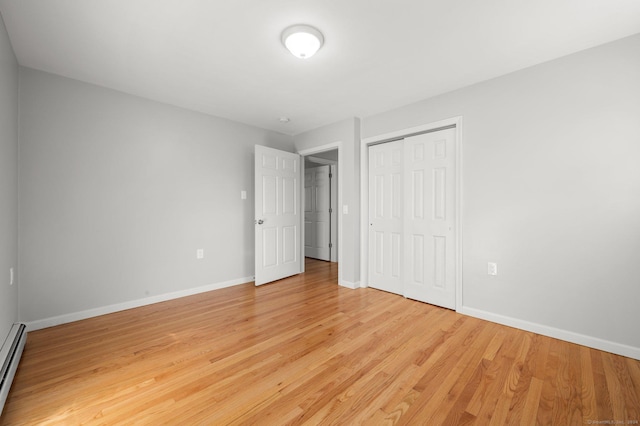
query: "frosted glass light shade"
302, 41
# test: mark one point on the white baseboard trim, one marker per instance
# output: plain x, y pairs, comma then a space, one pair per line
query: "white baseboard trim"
349, 284
569, 336
103, 310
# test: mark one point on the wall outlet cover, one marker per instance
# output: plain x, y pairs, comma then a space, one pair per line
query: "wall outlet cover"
492, 268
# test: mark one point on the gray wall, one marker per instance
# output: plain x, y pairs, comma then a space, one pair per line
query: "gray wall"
8, 182
551, 190
348, 133
117, 193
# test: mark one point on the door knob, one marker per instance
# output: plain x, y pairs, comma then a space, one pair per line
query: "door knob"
259, 221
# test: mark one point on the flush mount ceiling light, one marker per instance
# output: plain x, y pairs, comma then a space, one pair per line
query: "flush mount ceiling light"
303, 41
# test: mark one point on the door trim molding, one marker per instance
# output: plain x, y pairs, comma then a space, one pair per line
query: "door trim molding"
315, 150
364, 194
322, 161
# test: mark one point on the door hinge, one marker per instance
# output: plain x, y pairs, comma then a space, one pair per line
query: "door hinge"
330, 245
330, 210
330, 175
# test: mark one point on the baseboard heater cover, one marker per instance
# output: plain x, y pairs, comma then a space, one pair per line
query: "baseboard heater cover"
10, 357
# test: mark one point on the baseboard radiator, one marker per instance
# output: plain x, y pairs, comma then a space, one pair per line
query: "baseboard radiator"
10, 354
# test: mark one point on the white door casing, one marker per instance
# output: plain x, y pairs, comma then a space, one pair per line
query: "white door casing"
429, 220
317, 217
277, 214
334, 213
455, 123
386, 207
339, 206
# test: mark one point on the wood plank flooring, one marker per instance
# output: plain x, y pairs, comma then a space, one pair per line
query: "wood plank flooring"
306, 351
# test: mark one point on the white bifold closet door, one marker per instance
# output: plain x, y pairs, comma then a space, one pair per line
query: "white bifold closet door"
386, 210
412, 217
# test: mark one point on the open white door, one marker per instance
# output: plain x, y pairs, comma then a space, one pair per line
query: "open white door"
277, 214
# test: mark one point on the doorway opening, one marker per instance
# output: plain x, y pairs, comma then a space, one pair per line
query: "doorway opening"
321, 198
320, 206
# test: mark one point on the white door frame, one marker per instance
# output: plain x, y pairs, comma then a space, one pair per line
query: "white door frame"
318, 191
364, 194
335, 181
315, 150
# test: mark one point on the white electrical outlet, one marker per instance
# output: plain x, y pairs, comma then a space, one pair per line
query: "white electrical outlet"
492, 268
11, 276
200, 254
243, 195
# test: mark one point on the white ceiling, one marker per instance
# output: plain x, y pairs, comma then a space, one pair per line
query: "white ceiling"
225, 58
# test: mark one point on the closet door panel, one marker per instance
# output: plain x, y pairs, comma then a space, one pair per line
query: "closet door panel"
386, 215
429, 219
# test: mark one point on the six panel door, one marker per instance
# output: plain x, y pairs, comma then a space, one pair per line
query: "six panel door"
277, 214
386, 216
429, 218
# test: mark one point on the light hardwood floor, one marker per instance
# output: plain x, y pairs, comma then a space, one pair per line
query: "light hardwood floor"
304, 350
